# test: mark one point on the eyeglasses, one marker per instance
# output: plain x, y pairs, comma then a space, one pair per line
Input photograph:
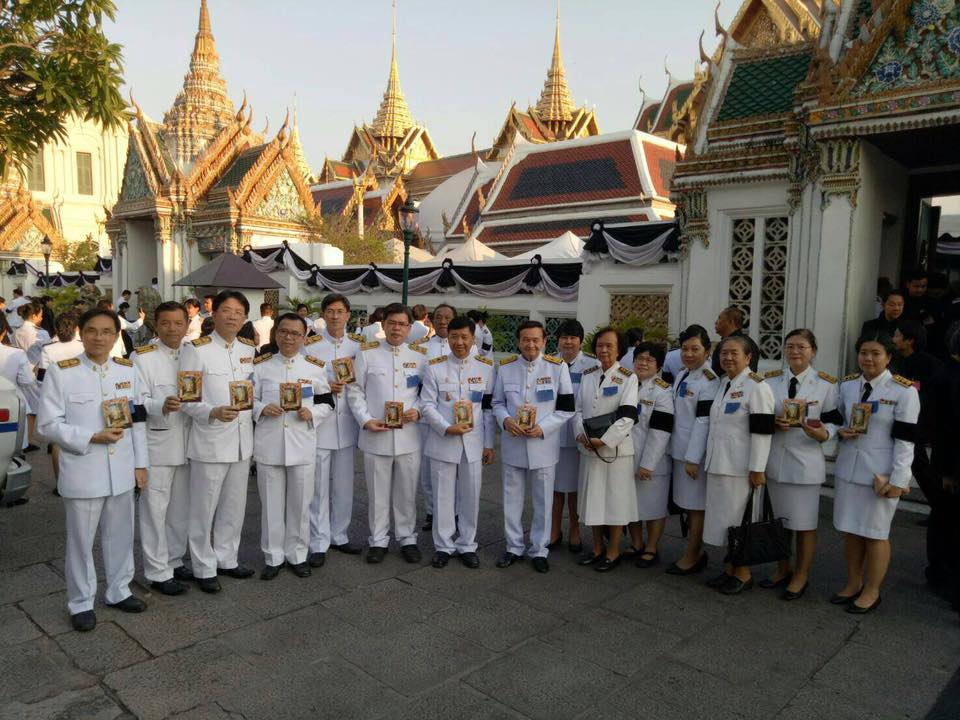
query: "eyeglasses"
796, 348
397, 324
289, 333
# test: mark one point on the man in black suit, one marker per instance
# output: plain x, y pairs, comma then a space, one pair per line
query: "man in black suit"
729, 323
890, 314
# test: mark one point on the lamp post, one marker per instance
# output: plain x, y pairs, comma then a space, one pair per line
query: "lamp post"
46, 247
408, 223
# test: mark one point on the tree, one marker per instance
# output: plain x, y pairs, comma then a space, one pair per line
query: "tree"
55, 61
78, 255
341, 233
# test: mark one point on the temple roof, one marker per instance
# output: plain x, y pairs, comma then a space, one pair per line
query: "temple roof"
428, 175
555, 104
764, 86
393, 117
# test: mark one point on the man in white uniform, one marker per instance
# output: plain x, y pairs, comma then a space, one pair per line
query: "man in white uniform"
100, 466
13, 317
220, 443
484, 338
537, 387
456, 401
194, 319
66, 345
390, 372
331, 509
164, 504
264, 325
419, 330
291, 399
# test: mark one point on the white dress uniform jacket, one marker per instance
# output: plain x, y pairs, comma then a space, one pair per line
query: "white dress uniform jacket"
221, 363
741, 426
54, 352
167, 434
693, 394
447, 381
193, 328
484, 341
613, 391
567, 477
342, 432
545, 384
289, 440
418, 331
263, 326
581, 364
651, 434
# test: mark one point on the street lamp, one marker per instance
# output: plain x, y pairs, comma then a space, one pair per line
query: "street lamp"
46, 247
408, 223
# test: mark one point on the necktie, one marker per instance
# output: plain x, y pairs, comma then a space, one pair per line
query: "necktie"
792, 391
867, 389
725, 389
683, 376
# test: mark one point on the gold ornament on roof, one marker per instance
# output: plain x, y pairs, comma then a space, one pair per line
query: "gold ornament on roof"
393, 117
555, 104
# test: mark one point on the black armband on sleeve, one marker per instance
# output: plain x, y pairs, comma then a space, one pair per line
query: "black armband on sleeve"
667, 376
762, 424
139, 413
660, 420
703, 408
904, 431
324, 398
40, 373
486, 346
565, 403
487, 402
627, 411
833, 417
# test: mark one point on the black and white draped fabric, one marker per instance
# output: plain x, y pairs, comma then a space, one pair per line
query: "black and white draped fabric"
948, 245
103, 265
22, 268
639, 244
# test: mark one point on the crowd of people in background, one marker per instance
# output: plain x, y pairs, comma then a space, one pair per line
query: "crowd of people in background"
614, 432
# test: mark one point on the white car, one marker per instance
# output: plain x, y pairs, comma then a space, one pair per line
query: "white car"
15, 471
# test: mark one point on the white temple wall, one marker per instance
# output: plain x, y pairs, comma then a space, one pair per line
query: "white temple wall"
608, 278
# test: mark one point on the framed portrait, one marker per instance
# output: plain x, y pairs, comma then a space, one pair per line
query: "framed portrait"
290, 396
190, 385
860, 417
116, 413
463, 412
343, 369
393, 414
527, 416
241, 395
793, 411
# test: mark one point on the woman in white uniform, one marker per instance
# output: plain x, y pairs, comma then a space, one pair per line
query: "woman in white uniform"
693, 393
873, 467
607, 500
741, 427
652, 466
797, 468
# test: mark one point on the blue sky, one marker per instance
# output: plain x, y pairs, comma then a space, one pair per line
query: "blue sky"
461, 63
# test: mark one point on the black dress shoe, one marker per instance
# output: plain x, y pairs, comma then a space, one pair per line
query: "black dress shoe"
84, 621
555, 543
209, 585
411, 553
427, 523
647, 562
347, 548
301, 570
790, 595
769, 584
606, 564
508, 559
697, 567
839, 599
375, 555
855, 609
239, 572
590, 558
317, 559
735, 586
440, 559
269, 572
719, 581
31, 447
470, 559
168, 587
183, 574
541, 565
130, 604
575, 548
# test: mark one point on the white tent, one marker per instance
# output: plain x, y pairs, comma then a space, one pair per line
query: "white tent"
417, 255
566, 247
469, 251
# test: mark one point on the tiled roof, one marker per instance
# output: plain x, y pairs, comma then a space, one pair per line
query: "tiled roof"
239, 168
661, 162
371, 206
546, 231
532, 129
600, 171
646, 118
763, 87
332, 201
679, 95
426, 176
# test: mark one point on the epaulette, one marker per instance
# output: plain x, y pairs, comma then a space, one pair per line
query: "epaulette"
417, 348
143, 349
370, 345
662, 383
314, 360
507, 360
851, 376
772, 374
201, 341
246, 341
356, 337
589, 354
123, 361
827, 376
901, 380
313, 339
756, 377
64, 364
591, 369
708, 374
623, 371
484, 360
553, 359
262, 358
438, 360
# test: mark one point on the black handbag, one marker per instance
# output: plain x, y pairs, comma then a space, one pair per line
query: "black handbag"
756, 543
596, 426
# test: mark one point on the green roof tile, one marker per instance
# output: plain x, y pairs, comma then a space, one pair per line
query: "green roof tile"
763, 87
240, 166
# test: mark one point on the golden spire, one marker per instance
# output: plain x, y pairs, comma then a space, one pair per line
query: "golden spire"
555, 105
299, 158
202, 108
393, 118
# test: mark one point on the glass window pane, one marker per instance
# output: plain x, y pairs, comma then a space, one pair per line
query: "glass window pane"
84, 173
35, 176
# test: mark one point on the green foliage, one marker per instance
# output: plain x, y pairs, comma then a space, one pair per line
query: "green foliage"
341, 232
313, 304
55, 61
79, 255
651, 333
62, 299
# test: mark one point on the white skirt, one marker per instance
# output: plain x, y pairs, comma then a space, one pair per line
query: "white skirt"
608, 495
857, 510
567, 477
798, 505
689, 493
727, 497
652, 497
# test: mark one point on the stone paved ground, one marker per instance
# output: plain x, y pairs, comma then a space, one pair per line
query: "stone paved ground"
399, 641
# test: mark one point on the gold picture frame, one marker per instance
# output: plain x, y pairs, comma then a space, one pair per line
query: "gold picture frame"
291, 396
527, 416
116, 413
860, 417
241, 394
190, 386
793, 411
463, 413
393, 414
343, 369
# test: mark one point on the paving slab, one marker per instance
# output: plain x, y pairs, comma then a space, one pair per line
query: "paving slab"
16, 626
493, 620
815, 701
37, 670
452, 700
49, 612
105, 649
89, 704
30, 581
386, 605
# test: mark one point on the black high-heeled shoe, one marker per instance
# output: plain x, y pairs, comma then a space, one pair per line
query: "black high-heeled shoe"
790, 595
839, 599
855, 609
555, 543
698, 566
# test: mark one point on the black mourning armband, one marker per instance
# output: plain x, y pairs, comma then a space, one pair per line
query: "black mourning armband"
487, 402
627, 411
565, 403
703, 408
906, 431
833, 417
139, 413
324, 398
40, 373
660, 420
761, 424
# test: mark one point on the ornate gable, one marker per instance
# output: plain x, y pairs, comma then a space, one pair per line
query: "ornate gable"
283, 201
28, 243
135, 183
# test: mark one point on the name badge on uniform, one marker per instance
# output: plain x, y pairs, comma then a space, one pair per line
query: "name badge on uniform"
682, 389
731, 407
575, 377
246, 359
735, 395
476, 396
307, 391
125, 385
874, 406
544, 395
610, 390
413, 381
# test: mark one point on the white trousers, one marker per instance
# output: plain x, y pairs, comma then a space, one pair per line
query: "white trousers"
426, 481
456, 496
114, 516
541, 485
392, 485
164, 520
285, 494
331, 508
218, 500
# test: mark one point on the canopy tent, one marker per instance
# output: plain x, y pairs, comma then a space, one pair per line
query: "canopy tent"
229, 271
417, 255
566, 247
472, 250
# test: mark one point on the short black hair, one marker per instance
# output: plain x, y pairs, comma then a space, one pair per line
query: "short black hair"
291, 316
893, 291
529, 325
696, 331
657, 351
98, 312
621, 343
734, 315
334, 298
805, 334
66, 326
460, 322
104, 304
18, 291
191, 302
126, 292
169, 306
912, 330
477, 315
231, 295
441, 306
28, 310
419, 311
915, 274
570, 328
211, 297
206, 326
742, 340
266, 306
397, 309
123, 307
634, 336
877, 336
